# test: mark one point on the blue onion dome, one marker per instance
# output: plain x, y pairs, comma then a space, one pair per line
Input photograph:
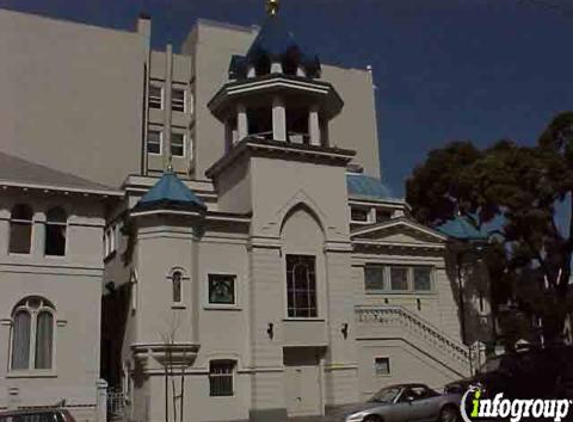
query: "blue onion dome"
275, 43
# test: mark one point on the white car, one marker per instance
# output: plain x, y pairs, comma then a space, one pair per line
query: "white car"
405, 403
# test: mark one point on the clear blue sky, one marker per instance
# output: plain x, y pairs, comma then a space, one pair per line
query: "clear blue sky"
445, 69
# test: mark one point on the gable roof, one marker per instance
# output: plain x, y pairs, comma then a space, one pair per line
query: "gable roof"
401, 222
171, 193
17, 172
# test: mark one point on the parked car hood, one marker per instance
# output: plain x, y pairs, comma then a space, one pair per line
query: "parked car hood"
358, 407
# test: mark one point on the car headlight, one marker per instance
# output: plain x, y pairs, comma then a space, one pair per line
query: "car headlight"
356, 417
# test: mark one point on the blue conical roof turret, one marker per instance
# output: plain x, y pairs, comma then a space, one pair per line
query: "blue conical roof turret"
171, 193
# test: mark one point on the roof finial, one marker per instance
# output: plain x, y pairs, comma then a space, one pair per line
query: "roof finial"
170, 165
272, 7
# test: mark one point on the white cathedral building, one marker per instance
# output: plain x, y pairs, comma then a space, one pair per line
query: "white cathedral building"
206, 232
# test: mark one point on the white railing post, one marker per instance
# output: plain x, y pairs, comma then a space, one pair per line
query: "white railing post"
101, 400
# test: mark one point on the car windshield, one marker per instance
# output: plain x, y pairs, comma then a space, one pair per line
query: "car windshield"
386, 395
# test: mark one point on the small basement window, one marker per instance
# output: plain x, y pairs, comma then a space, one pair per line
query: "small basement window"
221, 378
382, 366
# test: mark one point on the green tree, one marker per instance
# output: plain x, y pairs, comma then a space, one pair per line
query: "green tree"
520, 188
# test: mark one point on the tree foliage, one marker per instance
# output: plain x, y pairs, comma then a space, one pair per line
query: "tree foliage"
520, 188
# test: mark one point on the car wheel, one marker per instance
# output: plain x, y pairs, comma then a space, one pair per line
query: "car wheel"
449, 414
372, 418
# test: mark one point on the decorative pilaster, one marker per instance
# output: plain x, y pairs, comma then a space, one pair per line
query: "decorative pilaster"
4, 231
279, 119
276, 67
314, 126
242, 122
39, 234
101, 401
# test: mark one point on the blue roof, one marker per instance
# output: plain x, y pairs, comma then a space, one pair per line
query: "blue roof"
170, 192
367, 187
275, 41
460, 228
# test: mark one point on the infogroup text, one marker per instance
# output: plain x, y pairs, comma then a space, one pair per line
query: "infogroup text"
515, 409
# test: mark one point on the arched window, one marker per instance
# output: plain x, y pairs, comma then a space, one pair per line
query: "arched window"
176, 277
301, 286
176, 280
21, 229
32, 334
56, 223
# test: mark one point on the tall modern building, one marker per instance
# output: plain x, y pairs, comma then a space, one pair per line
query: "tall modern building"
207, 231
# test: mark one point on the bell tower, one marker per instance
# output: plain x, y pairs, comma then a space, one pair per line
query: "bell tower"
281, 166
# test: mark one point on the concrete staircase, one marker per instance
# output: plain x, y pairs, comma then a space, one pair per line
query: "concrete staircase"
396, 322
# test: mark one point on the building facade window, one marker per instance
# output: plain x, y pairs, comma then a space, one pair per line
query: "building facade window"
301, 286
177, 144
56, 225
178, 99
382, 366
422, 278
359, 214
155, 97
21, 220
154, 142
221, 378
110, 240
222, 289
177, 287
374, 277
32, 334
398, 279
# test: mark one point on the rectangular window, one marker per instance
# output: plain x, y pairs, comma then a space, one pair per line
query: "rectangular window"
374, 277
301, 286
422, 278
359, 214
222, 289
398, 278
221, 378
154, 142
20, 237
178, 99
155, 97
382, 366
177, 144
